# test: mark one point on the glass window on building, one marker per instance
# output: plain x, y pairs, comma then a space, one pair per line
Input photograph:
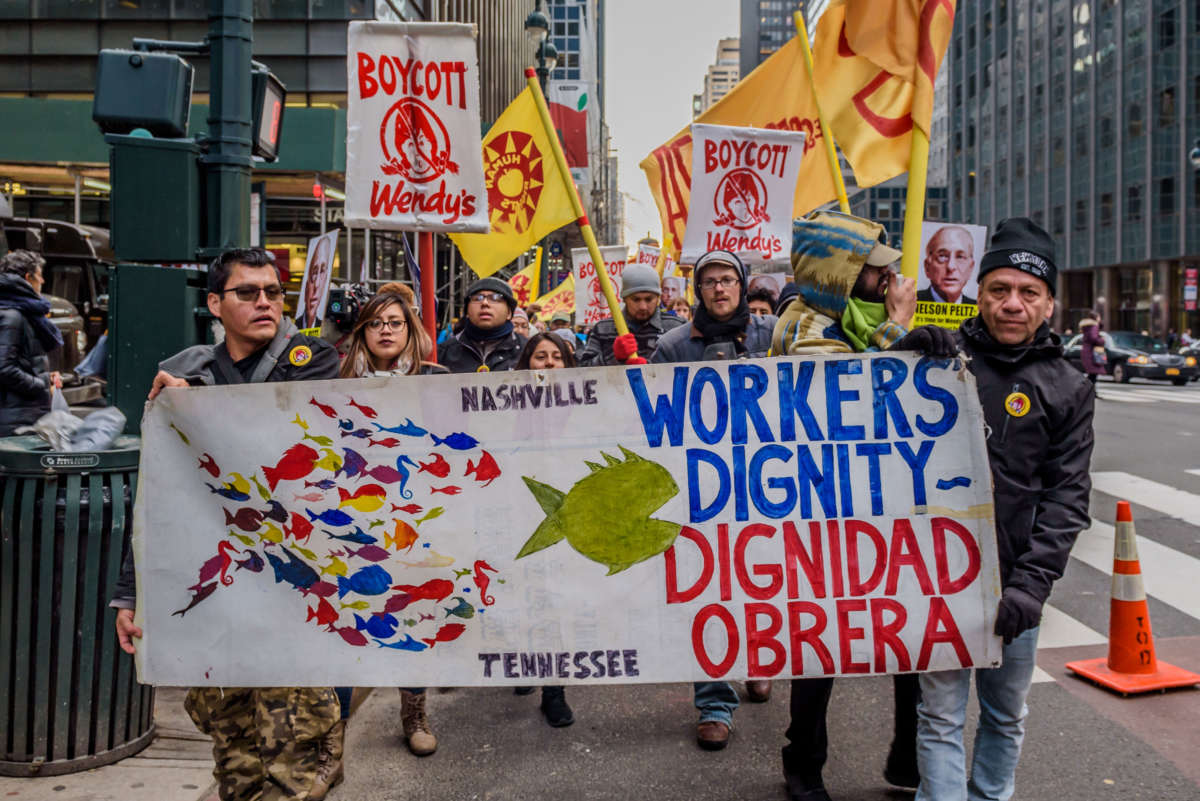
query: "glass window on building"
1080, 215
1057, 221
1135, 120
1106, 132
1167, 29
1081, 142
1166, 107
1106, 209
1166, 195
1133, 203
1019, 165
281, 9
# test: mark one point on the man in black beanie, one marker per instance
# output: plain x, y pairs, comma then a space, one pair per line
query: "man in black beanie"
486, 340
1038, 411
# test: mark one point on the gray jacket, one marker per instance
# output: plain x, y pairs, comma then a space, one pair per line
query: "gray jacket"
684, 343
599, 348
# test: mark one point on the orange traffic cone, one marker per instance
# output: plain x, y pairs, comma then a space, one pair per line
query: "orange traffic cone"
1131, 666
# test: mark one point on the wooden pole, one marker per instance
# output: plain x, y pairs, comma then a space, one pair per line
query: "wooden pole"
826, 135
914, 209
428, 287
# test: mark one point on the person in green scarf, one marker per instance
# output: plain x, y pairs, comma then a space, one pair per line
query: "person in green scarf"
848, 301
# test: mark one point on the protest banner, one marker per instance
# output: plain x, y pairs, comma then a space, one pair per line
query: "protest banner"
413, 160
559, 299
524, 282
314, 286
743, 180
947, 288
590, 303
662, 523
647, 255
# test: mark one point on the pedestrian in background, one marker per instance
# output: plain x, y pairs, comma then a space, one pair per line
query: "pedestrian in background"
1092, 354
646, 323
1038, 410
26, 337
682, 309
486, 339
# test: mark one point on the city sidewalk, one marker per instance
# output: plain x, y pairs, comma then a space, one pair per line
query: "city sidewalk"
177, 766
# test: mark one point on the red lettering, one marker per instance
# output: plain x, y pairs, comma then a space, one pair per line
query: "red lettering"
433, 80
811, 561
800, 636
461, 69
888, 634
774, 573
710, 155
732, 641
757, 639
387, 74
941, 628
847, 634
674, 594
857, 585
835, 558
723, 562
367, 86
946, 586
905, 553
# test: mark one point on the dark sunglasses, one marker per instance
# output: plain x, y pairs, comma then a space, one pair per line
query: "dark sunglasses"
250, 293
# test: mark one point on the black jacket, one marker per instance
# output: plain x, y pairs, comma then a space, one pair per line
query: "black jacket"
1040, 458
599, 348
458, 354
24, 368
201, 365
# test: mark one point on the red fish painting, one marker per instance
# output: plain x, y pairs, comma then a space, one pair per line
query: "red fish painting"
197, 597
367, 411
352, 635
398, 602
207, 463
451, 490
322, 589
433, 590
246, 519
438, 467
446, 633
486, 470
324, 614
325, 410
217, 564
408, 509
390, 442
482, 580
301, 527
297, 462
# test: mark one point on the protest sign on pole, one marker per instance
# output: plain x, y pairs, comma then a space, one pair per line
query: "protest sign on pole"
413, 160
590, 303
524, 282
743, 180
314, 286
947, 288
648, 255
664, 523
559, 299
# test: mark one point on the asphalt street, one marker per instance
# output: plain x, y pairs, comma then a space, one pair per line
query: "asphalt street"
1083, 743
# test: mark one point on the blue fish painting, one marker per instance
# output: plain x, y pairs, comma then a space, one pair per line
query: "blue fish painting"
331, 517
352, 465
323, 484
253, 562
358, 536
409, 429
295, 571
345, 424
458, 441
276, 512
407, 644
361, 433
381, 626
401, 462
370, 580
229, 492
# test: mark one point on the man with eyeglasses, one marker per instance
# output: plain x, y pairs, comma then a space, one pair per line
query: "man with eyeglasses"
646, 322
486, 341
949, 263
267, 741
721, 328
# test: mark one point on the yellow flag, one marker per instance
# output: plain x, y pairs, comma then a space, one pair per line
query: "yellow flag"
527, 194
524, 283
875, 65
777, 94
559, 299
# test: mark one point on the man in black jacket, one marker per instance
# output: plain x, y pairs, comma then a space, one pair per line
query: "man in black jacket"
26, 336
1038, 411
486, 340
268, 742
646, 322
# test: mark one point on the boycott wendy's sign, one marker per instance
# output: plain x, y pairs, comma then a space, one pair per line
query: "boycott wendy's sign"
743, 180
764, 518
590, 304
413, 159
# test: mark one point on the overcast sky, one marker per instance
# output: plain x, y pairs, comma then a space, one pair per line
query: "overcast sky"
656, 55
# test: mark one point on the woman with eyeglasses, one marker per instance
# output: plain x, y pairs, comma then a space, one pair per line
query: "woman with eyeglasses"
549, 351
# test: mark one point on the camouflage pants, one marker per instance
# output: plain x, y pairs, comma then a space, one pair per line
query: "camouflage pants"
265, 739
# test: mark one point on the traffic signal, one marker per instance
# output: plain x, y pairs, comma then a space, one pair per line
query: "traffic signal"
143, 90
267, 98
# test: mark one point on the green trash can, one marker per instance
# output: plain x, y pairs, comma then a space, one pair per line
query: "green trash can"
69, 697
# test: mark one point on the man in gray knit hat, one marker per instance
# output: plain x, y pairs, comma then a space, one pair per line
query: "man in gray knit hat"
640, 295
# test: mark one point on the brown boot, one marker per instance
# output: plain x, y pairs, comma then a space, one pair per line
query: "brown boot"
416, 725
329, 766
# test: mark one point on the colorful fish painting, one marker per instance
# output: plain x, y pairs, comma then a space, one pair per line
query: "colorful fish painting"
297, 462
438, 467
325, 410
323, 484
311, 497
432, 559
486, 470
361, 433
218, 564
351, 635
407, 644
345, 424
402, 537
353, 465
330, 461
198, 596
300, 528
368, 498
409, 429
432, 590
263, 492
378, 626
207, 463
322, 588
366, 411
357, 536
430, 515
457, 441
408, 509
447, 490
372, 553
246, 519
390, 442
275, 511
398, 602
295, 571
253, 562
370, 580
320, 440
324, 613
482, 580
330, 517
229, 492
445, 633
336, 567
461, 609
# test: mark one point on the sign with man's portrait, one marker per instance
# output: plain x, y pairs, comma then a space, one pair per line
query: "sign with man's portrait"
314, 288
947, 287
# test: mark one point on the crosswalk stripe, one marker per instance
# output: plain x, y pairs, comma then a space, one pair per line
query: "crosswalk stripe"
1123, 397
1176, 396
1040, 676
1060, 630
1144, 492
1169, 575
1195, 471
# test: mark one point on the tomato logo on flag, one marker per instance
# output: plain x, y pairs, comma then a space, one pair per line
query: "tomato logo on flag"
415, 142
514, 180
741, 199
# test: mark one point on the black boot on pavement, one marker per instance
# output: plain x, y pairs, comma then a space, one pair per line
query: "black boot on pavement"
805, 788
555, 708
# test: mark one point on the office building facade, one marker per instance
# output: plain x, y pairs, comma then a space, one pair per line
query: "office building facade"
721, 76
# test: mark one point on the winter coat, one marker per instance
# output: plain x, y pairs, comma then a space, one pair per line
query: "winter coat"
599, 348
24, 368
462, 355
685, 344
1090, 340
1038, 411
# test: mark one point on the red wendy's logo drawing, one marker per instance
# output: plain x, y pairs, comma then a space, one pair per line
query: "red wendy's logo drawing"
741, 200
514, 179
415, 142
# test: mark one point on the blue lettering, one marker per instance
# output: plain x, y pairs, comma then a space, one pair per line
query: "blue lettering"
698, 513
759, 496
884, 400
843, 459
793, 402
916, 463
873, 450
741, 509
835, 396
706, 376
747, 383
934, 393
810, 479
666, 413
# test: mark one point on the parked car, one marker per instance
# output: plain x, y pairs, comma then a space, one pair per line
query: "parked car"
1191, 355
1134, 355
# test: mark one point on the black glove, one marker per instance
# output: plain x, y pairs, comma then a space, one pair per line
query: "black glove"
1018, 612
932, 340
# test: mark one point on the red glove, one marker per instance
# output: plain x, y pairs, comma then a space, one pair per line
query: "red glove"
624, 346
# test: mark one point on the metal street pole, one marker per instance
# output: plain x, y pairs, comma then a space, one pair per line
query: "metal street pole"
227, 163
